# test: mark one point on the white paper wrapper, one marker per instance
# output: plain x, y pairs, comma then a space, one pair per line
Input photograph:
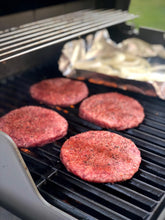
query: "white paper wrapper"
128, 60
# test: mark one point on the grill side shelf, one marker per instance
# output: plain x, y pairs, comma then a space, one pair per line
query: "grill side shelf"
19, 186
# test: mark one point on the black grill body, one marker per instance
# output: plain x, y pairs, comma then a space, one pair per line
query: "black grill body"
142, 197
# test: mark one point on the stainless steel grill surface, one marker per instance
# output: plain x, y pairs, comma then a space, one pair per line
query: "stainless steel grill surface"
36, 35
142, 197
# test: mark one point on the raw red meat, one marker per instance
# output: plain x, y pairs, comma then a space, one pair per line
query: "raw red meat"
32, 126
59, 91
112, 110
101, 156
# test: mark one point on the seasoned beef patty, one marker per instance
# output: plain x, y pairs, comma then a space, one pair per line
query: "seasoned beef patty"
112, 110
59, 91
101, 156
32, 126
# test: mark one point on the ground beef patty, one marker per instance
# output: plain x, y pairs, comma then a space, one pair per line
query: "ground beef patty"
112, 110
101, 156
59, 91
32, 126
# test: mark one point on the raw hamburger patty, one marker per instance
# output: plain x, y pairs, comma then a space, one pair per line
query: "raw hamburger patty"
101, 156
112, 110
32, 126
59, 91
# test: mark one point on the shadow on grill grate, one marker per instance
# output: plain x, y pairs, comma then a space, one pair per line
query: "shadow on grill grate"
142, 197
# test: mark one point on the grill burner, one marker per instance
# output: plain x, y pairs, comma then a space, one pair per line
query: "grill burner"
142, 197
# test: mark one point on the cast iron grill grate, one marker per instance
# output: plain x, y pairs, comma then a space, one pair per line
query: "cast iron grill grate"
142, 197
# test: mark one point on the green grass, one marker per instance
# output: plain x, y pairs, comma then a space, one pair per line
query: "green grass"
151, 13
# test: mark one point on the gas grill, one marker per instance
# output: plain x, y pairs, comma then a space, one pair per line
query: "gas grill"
29, 53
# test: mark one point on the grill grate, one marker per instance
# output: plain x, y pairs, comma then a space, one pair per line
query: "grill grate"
142, 197
36, 35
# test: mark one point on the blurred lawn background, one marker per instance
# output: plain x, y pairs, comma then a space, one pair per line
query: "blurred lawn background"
151, 13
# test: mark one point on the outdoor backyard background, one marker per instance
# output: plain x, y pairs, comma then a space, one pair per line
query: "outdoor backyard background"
151, 13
